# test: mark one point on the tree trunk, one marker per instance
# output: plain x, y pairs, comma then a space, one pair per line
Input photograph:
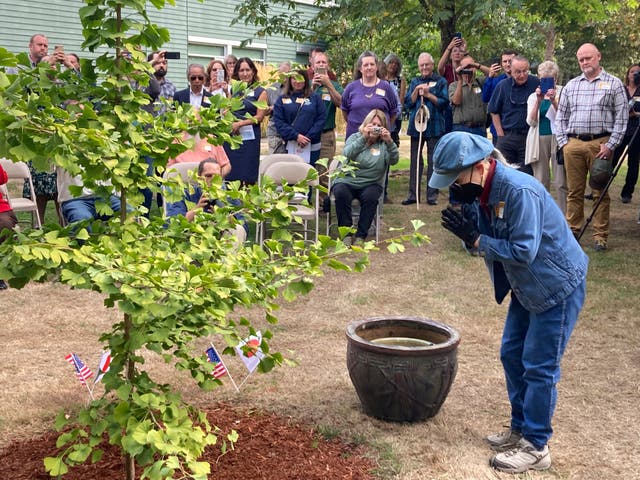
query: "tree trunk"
129, 461
550, 42
447, 26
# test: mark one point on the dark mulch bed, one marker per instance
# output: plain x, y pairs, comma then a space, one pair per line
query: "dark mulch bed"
269, 447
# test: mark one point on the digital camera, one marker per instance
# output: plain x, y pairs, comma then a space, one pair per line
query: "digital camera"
376, 130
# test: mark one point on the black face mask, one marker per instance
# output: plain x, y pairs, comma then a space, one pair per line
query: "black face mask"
465, 193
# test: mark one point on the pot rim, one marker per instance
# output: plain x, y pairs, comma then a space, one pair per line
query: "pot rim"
450, 344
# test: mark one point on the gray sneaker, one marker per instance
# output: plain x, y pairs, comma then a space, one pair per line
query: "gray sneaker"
522, 458
505, 440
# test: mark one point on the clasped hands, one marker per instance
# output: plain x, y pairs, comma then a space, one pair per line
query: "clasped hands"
462, 227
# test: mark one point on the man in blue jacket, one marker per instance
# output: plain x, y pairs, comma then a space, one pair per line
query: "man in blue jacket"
517, 227
431, 90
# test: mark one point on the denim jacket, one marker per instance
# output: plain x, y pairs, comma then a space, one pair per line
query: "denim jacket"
527, 244
436, 124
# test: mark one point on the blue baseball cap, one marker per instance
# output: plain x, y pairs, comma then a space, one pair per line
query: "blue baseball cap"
455, 152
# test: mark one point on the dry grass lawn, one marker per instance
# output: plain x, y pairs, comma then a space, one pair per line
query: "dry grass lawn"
595, 423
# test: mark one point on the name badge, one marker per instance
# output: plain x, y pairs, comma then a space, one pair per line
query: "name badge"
326, 97
432, 84
381, 92
375, 151
300, 100
604, 86
477, 90
251, 93
286, 100
500, 210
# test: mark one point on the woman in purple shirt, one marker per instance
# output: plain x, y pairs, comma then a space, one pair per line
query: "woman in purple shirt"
367, 92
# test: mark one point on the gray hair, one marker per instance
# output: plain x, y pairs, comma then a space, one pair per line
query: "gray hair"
366, 53
549, 69
391, 57
426, 54
204, 162
196, 65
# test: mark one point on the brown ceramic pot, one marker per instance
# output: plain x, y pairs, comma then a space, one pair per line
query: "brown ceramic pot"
401, 367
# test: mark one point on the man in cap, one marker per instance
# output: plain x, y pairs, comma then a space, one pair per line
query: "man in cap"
517, 227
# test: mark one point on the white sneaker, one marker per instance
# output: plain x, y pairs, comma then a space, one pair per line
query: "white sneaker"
522, 458
505, 440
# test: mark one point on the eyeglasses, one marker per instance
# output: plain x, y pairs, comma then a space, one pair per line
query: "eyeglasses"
196, 77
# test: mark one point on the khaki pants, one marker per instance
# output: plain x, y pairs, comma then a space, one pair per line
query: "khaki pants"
578, 156
327, 150
328, 145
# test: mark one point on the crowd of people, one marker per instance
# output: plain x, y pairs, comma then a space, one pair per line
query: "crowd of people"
499, 200
539, 127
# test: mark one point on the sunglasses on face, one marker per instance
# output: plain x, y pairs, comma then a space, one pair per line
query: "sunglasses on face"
196, 77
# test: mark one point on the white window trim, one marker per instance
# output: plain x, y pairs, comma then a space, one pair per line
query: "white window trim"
227, 45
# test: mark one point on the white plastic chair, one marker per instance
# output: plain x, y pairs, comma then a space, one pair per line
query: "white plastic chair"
181, 169
290, 173
18, 172
355, 205
265, 162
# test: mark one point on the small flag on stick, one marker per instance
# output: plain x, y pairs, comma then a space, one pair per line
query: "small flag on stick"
82, 371
219, 370
254, 354
103, 366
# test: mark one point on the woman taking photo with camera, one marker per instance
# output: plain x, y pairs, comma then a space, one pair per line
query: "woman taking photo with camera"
541, 145
370, 150
218, 77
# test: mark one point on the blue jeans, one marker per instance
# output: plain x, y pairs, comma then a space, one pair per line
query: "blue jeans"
532, 348
85, 209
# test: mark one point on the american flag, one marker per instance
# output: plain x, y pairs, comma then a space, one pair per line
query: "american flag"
219, 370
82, 371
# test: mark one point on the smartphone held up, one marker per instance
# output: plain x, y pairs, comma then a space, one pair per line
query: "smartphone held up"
546, 84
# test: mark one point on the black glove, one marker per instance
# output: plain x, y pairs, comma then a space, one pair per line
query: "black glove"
460, 226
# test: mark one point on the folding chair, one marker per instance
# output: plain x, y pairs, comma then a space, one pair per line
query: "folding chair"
18, 173
265, 162
290, 173
181, 169
355, 205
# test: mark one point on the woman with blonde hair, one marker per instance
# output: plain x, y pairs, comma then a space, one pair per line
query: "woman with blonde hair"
370, 150
541, 146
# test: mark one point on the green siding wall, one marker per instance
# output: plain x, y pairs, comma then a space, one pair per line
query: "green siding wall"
209, 21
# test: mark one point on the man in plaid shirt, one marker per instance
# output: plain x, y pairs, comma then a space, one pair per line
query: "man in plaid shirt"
590, 123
